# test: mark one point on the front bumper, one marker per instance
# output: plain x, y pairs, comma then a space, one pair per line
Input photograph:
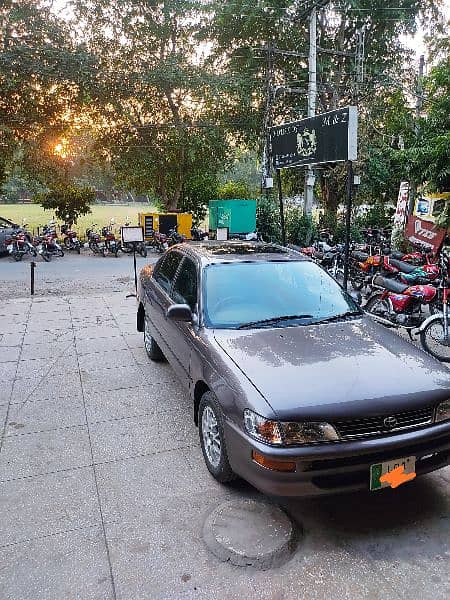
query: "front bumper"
334, 467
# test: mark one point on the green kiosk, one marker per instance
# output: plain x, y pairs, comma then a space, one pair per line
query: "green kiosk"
238, 217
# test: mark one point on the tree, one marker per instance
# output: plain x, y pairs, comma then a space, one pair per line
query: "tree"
45, 77
231, 190
68, 201
163, 127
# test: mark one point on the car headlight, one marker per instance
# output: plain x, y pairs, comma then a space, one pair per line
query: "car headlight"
279, 433
443, 411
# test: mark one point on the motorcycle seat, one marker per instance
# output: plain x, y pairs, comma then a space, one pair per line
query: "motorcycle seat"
404, 267
360, 256
390, 284
396, 255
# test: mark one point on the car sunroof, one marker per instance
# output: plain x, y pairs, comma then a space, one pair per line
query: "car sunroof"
246, 249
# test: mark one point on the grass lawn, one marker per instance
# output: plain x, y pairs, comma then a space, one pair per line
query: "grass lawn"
35, 216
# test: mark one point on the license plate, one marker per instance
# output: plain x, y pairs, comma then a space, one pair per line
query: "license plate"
380, 469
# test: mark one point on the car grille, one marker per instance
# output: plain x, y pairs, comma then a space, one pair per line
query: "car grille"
384, 424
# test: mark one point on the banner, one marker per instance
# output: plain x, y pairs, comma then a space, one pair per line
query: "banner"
425, 233
401, 213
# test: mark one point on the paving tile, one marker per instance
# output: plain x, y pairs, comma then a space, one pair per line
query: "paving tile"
97, 331
36, 325
19, 319
118, 404
89, 346
9, 354
66, 362
10, 339
5, 392
7, 371
45, 350
111, 379
49, 337
102, 360
3, 412
47, 387
6, 326
36, 453
128, 488
123, 438
42, 415
134, 340
69, 566
46, 504
92, 321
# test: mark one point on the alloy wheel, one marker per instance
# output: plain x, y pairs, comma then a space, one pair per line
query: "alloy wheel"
211, 437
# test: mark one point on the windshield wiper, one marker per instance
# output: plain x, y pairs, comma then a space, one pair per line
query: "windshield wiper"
274, 320
341, 316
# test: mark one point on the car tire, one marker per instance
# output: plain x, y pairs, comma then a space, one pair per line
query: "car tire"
154, 352
212, 439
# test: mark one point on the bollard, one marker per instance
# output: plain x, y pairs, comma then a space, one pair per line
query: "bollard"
33, 266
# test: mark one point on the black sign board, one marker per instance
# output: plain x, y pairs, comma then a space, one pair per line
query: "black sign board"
326, 138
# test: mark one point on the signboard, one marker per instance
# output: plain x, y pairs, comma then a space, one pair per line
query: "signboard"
423, 232
402, 205
132, 234
326, 138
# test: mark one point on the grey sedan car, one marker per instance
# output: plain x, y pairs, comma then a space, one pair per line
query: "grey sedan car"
294, 388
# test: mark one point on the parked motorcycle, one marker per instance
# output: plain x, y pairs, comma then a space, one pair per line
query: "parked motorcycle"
94, 240
434, 331
110, 245
174, 237
47, 243
159, 241
400, 303
19, 244
198, 235
70, 240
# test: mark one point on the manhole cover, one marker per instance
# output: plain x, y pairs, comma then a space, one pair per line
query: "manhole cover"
250, 533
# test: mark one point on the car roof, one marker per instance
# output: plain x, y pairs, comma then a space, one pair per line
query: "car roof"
238, 251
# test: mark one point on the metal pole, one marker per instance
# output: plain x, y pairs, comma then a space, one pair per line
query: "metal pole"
135, 271
348, 220
32, 266
312, 97
280, 199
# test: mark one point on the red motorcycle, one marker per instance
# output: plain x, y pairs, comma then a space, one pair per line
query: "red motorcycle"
20, 244
70, 240
159, 241
110, 245
399, 303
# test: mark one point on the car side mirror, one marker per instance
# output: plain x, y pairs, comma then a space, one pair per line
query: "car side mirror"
179, 312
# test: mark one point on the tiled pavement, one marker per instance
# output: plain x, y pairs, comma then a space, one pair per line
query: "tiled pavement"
103, 492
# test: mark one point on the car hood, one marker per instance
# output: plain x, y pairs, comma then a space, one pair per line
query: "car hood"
354, 367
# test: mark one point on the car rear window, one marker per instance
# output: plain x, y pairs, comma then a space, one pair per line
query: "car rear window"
239, 293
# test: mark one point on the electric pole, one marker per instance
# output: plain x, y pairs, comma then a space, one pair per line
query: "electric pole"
419, 104
312, 96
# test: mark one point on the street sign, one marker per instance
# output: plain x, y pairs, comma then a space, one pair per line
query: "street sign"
326, 138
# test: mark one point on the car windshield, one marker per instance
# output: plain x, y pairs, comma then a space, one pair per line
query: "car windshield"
272, 294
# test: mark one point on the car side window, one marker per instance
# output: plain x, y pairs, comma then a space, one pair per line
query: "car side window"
165, 272
185, 287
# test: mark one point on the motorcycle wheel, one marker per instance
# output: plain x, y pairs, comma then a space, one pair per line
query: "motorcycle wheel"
78, 249
67, 243
376, 306
61, 252
116, 252
143, 251
433, 341
357, 280
46, 256
103, 251
18, 256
